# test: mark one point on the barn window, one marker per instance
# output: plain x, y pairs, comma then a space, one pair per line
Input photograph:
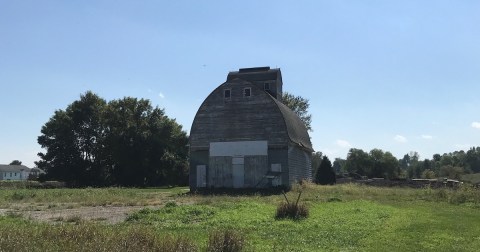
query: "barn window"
266, 86
247, 92
227, 93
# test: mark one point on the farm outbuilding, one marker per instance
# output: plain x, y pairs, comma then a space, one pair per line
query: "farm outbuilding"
243, 136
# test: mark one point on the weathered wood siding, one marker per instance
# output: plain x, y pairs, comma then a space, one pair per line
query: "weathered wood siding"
238, 118
198, 157
299, 164
280, 156
220, 172
255, 169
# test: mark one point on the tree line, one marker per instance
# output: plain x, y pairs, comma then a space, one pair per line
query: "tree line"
124, 142
382, 164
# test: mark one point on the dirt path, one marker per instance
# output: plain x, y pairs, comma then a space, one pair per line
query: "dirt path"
105, 214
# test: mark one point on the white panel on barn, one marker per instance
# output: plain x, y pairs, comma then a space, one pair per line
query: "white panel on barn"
201, 175
240, 148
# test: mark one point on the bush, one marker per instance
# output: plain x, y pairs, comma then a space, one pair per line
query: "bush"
291, 211
177, 244
225, 241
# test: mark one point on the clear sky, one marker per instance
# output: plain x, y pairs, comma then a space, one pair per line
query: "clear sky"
396, 75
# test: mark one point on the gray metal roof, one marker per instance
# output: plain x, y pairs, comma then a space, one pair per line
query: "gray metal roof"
13, 168
297, 132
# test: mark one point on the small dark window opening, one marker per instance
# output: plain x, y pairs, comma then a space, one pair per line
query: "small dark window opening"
247, 92
266, 86
227, 93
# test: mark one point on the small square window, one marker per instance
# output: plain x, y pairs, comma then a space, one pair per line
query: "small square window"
266, 86
227, 93
247, 92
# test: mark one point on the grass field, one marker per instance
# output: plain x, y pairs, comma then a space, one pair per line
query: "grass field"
342, 218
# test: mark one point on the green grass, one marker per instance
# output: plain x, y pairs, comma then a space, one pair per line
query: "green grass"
341, 218
88, 196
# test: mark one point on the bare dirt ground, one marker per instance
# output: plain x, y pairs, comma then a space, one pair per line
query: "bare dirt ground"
70, 213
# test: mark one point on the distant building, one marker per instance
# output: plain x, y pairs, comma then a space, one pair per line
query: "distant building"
35, 172
14, 172
243, 136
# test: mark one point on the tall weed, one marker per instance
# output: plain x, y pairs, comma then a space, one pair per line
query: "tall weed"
225, 241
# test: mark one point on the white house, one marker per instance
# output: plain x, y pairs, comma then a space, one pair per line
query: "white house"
14, 172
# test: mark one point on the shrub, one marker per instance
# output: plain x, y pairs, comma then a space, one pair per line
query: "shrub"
292, 211
179, 244
171, 204
225, 241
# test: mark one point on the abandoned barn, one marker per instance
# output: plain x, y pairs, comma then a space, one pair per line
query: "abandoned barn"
243, 136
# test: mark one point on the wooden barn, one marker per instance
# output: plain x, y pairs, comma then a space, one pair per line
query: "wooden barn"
243, 136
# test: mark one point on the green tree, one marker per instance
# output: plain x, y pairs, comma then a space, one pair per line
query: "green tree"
377, 169
316, 160
300, 106
325, 174
16, 162
126, 142
472, 159
449, 171
415, 168
73, 139
391, 168
428, 174
359, 162
146, 147
339, 165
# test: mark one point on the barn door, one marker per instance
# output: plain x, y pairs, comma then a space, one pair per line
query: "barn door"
201, 175
238, 172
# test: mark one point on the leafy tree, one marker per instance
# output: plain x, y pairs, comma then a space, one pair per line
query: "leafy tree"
16, 162
316, 160
391, 168
339, 165
415, 168
126, 142
146, 146
472, 159
428, 174
376, 157
74, 139
450, 171
325, 174
300, 106
359, 162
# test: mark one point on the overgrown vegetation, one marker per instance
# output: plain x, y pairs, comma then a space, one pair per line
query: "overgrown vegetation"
225, 241
292, 210
344, 217
18, 235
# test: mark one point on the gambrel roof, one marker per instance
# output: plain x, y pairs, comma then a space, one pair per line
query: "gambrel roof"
211, 115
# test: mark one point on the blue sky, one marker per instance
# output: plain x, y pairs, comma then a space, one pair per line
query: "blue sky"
396, 75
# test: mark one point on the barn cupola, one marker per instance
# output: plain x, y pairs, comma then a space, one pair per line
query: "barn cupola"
269, 80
